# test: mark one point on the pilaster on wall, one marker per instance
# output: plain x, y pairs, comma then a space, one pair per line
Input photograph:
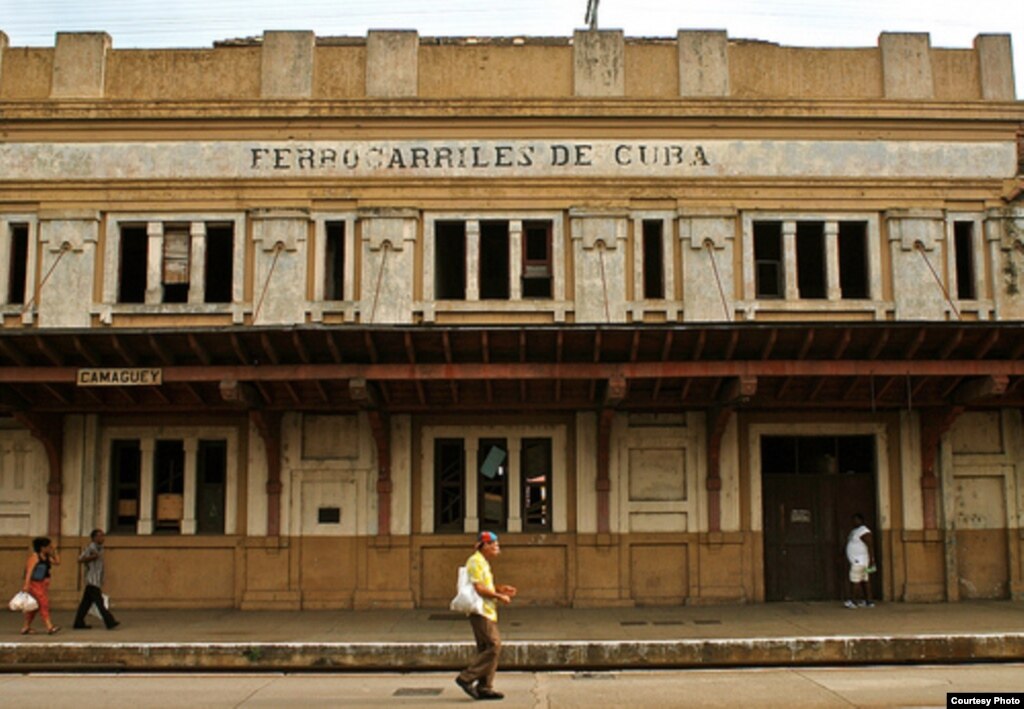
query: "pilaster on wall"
599, 248
599, 67
995, 64
906, 65
80, 64
703, 63
68, 241
708, 238
392, 64
388, 245
287, 65
915, 238
280, 238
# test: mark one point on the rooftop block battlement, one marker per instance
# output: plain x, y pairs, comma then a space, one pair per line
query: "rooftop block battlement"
297, 65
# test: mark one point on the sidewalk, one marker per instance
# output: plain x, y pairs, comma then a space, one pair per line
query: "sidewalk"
565, 638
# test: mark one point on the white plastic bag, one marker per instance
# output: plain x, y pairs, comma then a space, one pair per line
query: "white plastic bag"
93, 610
23, 602
466, 600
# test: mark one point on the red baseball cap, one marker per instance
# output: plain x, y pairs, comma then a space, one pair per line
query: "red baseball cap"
486, 538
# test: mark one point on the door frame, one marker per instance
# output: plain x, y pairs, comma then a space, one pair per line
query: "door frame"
879, 430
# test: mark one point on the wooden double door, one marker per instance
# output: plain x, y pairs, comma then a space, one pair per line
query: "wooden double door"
812, 486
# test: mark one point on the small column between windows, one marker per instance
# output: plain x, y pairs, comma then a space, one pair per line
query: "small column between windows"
834, 290
515, 519
188, 522
515, 259
792, 288
155, 263
473, 260
145, 523
472, 471
197, 262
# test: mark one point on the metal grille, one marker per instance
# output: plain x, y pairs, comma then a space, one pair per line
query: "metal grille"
417, 692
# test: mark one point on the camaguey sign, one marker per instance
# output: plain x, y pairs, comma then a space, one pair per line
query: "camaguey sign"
119, 377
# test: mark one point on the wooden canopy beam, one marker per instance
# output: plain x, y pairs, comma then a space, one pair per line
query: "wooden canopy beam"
548, 370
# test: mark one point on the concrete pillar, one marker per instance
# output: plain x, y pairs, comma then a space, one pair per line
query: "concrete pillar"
599, 67
906, 65
80, 64
703, 63
287, 65
995, 63
392, 64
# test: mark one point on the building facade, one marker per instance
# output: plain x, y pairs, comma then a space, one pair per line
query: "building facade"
295, 316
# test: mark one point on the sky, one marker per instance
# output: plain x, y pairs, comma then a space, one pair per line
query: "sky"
822, 23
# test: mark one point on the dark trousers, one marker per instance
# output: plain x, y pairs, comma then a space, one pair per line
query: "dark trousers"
488, 648
93, 595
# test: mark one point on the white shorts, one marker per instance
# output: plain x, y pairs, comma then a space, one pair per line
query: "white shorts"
858, 573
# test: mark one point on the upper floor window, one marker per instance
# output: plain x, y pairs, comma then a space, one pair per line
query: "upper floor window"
491, 259
964, 249
334, 260
189, 259
653, 258
450, 260
768, 264
17, 269
17, 256
537, 267
811, 258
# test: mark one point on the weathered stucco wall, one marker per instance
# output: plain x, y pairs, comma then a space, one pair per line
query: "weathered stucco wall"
762, 70
184, 74
492, 71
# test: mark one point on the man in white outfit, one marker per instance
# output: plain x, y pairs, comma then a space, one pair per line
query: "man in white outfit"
862, 564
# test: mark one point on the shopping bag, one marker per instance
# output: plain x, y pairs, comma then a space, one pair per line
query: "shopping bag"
23, 602
466, 600
94, 610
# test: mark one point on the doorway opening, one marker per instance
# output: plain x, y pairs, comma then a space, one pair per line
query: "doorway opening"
811, 487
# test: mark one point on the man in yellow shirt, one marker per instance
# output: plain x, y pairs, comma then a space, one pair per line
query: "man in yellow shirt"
477, 680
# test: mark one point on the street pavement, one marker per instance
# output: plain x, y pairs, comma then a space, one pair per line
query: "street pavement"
793, 688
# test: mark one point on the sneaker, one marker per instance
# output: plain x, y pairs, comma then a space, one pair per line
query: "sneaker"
467, 687
849, 604
114, 625
866, 604
485, 693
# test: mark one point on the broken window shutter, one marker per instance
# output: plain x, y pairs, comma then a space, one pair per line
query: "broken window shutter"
176, 251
